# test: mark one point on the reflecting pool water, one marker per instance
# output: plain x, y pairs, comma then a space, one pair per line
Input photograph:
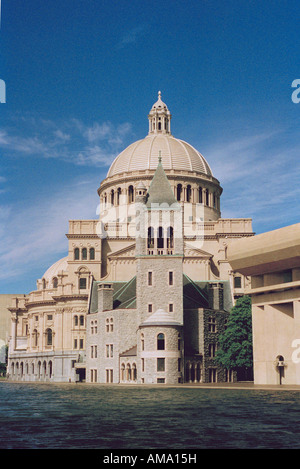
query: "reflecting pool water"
67, 416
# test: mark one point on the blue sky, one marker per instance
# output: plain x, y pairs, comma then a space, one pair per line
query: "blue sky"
81, 77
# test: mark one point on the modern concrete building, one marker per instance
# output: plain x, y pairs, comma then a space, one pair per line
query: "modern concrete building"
145, 287
272, 260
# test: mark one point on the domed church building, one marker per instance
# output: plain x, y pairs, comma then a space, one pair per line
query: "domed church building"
145, 290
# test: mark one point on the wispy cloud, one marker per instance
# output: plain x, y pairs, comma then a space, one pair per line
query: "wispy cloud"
260, 177
71, 141
30, 237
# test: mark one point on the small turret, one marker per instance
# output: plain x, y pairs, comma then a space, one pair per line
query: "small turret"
159, 118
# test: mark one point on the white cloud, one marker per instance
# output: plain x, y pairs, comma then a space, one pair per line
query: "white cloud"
71, 141
33, 234
259, 175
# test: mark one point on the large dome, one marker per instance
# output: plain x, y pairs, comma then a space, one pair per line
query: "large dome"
175, 154
52, 271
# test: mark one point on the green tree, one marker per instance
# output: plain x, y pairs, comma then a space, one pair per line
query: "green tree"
235, 350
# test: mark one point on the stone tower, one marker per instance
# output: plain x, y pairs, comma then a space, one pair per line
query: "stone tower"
159, 276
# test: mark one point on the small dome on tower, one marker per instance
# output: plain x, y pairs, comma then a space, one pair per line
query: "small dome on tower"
159, 118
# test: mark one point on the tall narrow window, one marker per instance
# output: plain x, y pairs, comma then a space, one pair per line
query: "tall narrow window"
130, 194
212, 324
76, 254
84, 254
82, 283
161, 342
160, 238
178, 192
150, 243
54, 282
49, 337
119, 192
142, 342
160, 364
200, 200
150, 278
188, 193
171, 278
92, 254
170, 238
206, 197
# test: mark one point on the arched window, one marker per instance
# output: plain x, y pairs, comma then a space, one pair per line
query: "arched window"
75, 320
44, 284
54, 282
76, 254
160, 237
128, 372
81, 320
206, 197
50, 368
49, 336
84, 254
130, 194
134, 373
112, 197
119, 192
150, 243
142, 342
188, 193
123, 372
170, 237
200, 199
92, 254
161, 341
179, 190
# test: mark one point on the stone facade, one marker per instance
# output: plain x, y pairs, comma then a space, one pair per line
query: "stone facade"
52, 336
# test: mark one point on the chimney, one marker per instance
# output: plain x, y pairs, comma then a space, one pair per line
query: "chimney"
215, 296
105, 297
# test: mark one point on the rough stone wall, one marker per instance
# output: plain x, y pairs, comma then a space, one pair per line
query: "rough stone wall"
122, 338
170, 354
160, 294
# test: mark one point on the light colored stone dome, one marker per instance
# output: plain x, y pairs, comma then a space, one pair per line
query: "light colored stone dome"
175, 154
61, 264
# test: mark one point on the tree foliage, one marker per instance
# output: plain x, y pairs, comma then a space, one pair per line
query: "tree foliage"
235, 344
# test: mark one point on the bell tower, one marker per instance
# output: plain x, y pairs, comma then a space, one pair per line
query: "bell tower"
159, 250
